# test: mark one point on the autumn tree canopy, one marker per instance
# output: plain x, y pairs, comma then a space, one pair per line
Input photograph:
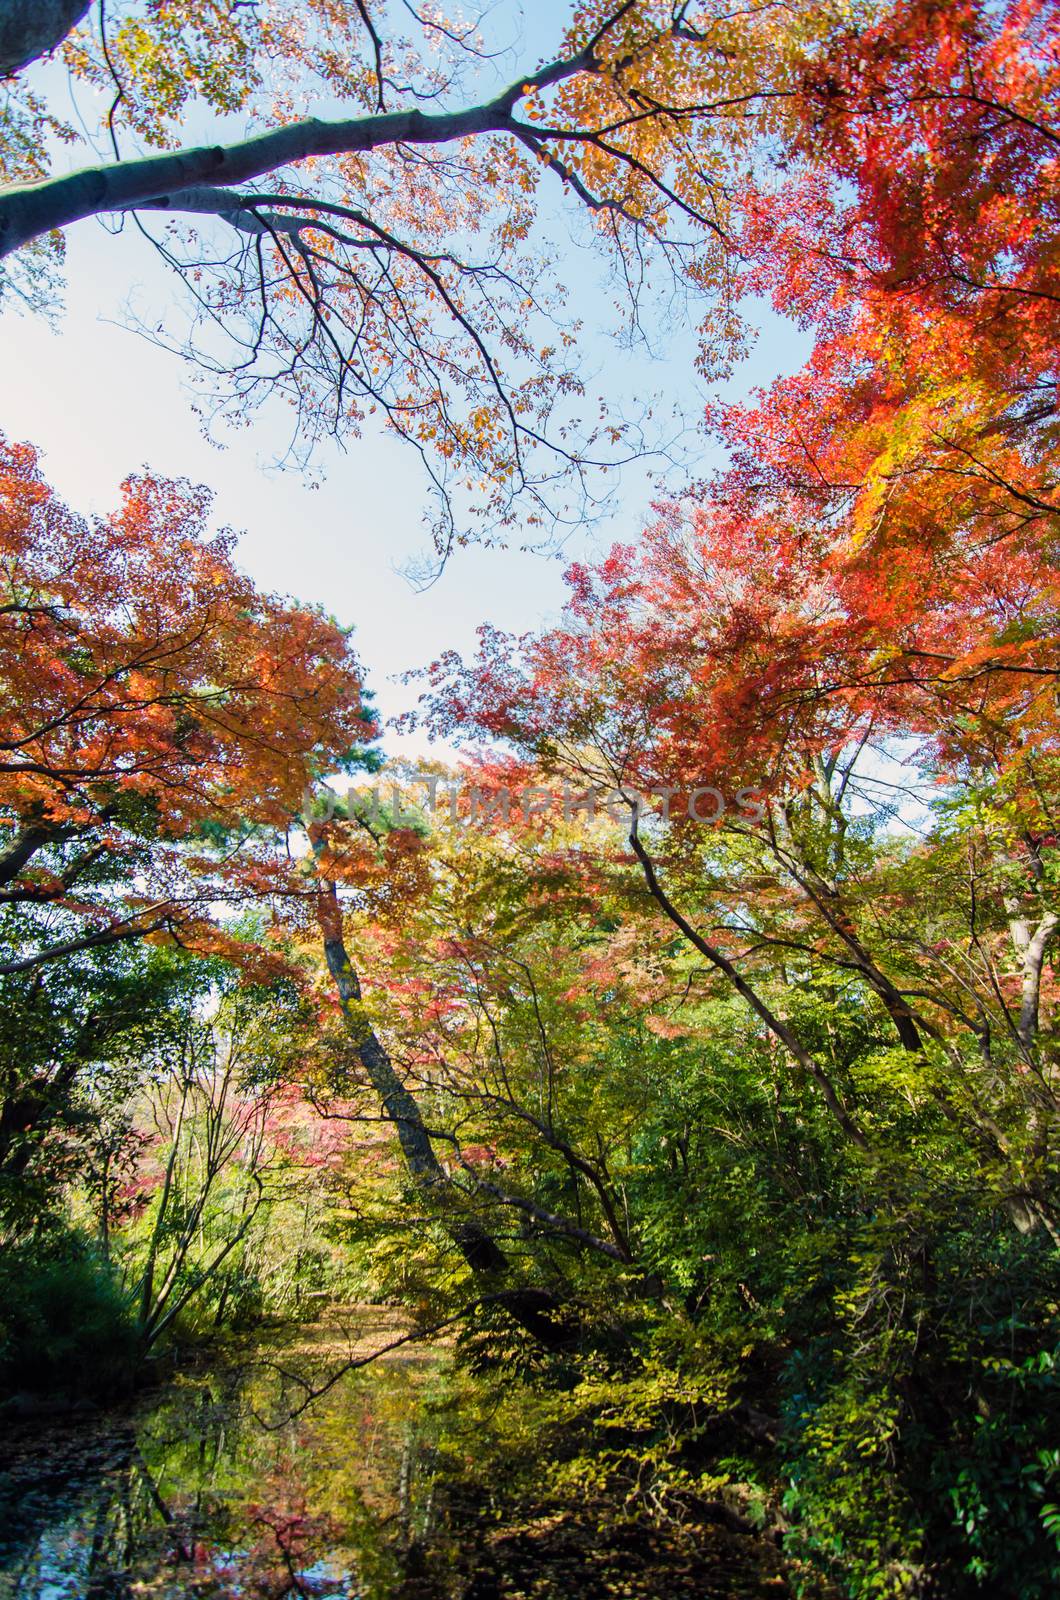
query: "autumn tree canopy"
155, 701
361, 228
874, 572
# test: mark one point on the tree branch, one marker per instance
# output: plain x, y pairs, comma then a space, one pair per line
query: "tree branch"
774, 1023
28, 210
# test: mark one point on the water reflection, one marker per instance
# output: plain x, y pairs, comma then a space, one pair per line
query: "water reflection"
206, 1490
395, 1484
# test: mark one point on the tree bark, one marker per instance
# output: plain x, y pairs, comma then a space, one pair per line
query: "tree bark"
33, 837
1030, 945
30, 28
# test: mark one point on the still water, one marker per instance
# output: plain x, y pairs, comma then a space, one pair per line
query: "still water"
225, 1482
230, 1481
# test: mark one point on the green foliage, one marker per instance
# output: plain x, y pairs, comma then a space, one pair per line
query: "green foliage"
855, 1348
65, 1326
76, 1037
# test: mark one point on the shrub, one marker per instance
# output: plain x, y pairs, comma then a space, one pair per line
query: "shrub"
64, 1322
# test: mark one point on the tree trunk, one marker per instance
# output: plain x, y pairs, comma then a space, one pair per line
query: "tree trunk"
533, 1309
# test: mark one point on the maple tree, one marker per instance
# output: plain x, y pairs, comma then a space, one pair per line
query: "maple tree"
716, 660
876, 564
855, 623
160, 711
919, 188
916, 228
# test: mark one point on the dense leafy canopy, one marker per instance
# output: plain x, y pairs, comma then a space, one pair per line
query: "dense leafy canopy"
154, 699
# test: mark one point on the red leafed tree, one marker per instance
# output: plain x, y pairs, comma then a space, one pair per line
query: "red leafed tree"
922, 182
154, 701
877, 561
916, 228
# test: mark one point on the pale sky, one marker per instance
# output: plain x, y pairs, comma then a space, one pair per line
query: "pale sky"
101, 401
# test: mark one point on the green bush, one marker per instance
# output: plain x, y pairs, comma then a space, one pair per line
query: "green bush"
64, 1323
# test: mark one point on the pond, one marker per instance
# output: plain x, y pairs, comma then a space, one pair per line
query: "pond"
232, 1479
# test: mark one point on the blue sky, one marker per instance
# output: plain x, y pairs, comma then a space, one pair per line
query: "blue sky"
101, 401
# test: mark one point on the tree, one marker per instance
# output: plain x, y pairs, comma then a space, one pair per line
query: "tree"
727, 661
388, 258
389, 873
167, 721
919, 189
160, 711
74, 1039
876, 564
462, 966
211, 1101
916, 227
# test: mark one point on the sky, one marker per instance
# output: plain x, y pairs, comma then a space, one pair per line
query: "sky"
101, 401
